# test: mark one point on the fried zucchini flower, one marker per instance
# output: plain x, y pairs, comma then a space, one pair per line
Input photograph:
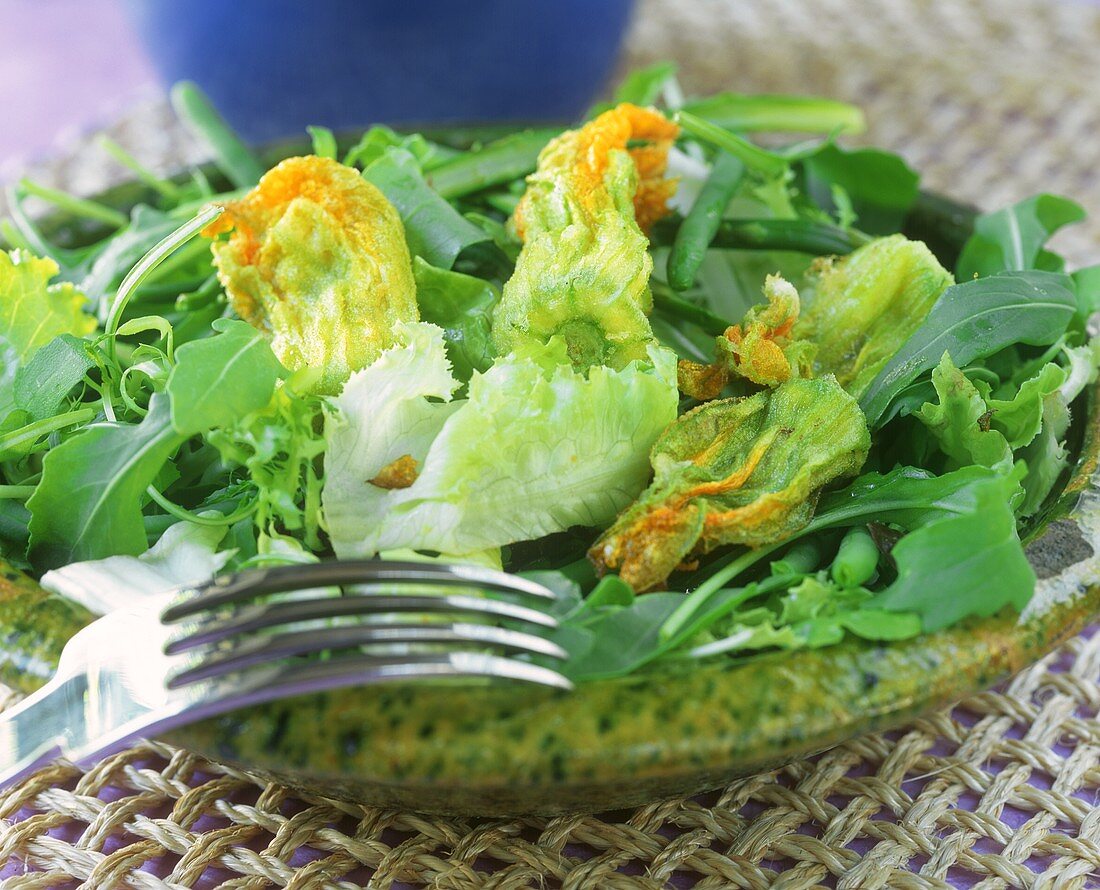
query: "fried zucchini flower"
583, 272
317, 259
736, 471
860, 310
761, 348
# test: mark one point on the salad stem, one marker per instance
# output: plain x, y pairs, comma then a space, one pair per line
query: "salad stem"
752, 156
699, 597
44, 427
185, 515
16, 492
201, 117
74, 205
678, 307
166, 188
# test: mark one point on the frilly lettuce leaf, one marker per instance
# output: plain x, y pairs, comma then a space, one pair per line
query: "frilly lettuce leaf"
736, 471
536, 447
583, 272
317, 259
961, 421
862, 308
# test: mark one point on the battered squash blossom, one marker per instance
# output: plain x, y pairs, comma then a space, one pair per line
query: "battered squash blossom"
736, 471
583, 272
317, 259
761, 349
861, 309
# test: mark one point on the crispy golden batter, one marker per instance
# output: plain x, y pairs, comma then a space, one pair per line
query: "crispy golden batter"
316, 257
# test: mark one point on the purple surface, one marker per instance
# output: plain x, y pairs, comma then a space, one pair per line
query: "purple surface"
66, 66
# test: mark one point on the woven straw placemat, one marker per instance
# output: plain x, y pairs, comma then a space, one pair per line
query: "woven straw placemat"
992, 100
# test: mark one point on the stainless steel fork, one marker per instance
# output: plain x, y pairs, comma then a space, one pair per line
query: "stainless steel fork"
171, 661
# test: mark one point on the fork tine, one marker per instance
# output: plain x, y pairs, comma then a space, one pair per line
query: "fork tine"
295, 678
267, 648
279, 579
260, 615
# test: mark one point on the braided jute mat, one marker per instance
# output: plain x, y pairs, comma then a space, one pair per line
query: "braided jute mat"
992, 100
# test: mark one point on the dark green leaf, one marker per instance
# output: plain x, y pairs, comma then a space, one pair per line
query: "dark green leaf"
433, 228
619, 641
219, 380
881, 186
905, 496
1012, 239
463, 306
973, 320
52, 373
969, 564
88, 504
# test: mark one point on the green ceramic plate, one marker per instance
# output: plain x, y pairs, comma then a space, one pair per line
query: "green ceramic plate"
511, 750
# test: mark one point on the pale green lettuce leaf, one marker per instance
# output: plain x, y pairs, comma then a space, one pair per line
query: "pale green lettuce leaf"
536, 447
186, 554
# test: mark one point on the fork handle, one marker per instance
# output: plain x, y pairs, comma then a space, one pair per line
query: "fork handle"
34, 628
41, 728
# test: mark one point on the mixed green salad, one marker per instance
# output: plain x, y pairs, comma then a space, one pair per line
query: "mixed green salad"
707, 386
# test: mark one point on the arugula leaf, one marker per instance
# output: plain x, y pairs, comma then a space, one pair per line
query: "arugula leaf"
969, 564
881, 187
88, 504
619, 641
42, 384
463, 306
973, 320
219, 380
905, 496
433, 228
1013, 238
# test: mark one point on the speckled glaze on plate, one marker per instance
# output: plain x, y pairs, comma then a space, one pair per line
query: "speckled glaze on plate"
506, 750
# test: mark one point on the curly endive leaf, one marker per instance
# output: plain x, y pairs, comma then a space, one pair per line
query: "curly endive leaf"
317, 258
583, 272
736, 471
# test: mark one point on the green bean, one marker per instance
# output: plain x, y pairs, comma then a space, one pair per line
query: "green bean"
700, 225
857, 558
800, 235
804, 556
202, 118
500, 161
753, 156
